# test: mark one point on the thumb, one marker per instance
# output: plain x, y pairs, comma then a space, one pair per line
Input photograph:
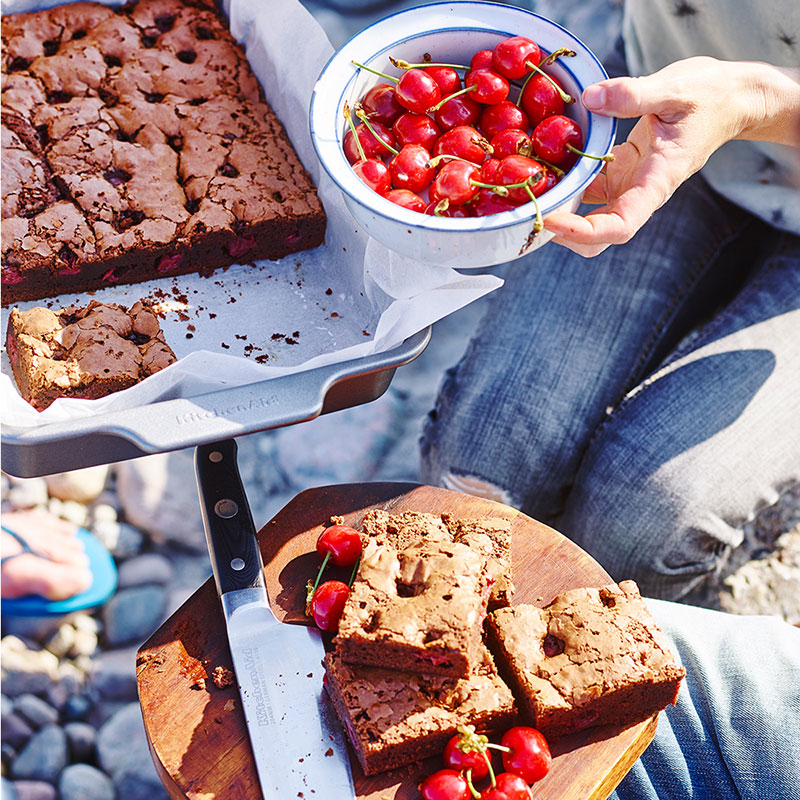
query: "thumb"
632, 97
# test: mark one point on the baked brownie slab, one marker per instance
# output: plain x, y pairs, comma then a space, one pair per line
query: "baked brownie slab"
137, 144
490, 536
419, 609
394, 718
83, 352
591, 657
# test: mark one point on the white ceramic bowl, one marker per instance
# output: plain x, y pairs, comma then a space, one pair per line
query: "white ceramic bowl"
452, 32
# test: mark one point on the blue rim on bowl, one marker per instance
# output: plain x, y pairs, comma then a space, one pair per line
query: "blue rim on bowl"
406, 34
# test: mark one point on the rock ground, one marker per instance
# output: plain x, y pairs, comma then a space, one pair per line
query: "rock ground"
71, 726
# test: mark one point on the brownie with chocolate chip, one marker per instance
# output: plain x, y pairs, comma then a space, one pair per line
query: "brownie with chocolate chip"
86, 352
137, 144
393, 718
419, 609
591, 657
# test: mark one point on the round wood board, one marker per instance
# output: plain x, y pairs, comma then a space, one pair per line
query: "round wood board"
196, 731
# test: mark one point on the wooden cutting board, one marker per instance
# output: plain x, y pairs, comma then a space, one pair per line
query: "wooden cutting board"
196, 731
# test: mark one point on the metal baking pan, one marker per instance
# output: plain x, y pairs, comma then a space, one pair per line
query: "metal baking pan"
186, 422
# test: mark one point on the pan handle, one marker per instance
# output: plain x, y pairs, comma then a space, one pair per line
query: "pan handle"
228, 521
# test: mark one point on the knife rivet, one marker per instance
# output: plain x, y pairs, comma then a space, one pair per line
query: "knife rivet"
226, 508
237, 564
215, 456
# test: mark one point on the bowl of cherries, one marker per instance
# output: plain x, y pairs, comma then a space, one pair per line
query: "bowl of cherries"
453, 129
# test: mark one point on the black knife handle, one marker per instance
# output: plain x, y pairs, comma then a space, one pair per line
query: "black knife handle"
231, 534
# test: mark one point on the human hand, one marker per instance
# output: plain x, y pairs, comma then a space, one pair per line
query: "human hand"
688, 110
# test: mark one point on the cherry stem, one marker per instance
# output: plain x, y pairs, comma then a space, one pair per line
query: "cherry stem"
608, 157
450, 97
321, 570
361, 114
400, 64
441, 207
349, 117
374, 71
472, 790
538, 224
472, 742
501, 190
558, 171
562, 51
567, 98
436, 160
354, 572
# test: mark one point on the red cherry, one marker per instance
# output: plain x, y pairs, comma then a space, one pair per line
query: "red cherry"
446, 784
447, 78
540, 99
342, 542
487, 87
551, 139
511, 142
459, 110
510, 55
481, 60
551, 179
462, 141
372, 147
455, 181
327, 604
501, 117
529, 755
517, 169
417, 91
416, 129
457, 759
489, 170
411, 168
406, 199
375, 174
509, 787
380, 104
487, 202
446, 209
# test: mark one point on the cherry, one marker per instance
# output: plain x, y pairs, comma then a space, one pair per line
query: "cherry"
417, 91
528, 755
501, 117
443, 208
481, 60
380, 104
327, 604
458, 110
416, 129
487, 87
463, 141
411, 168
486, 202
372, 147
509, 57
489, 170
406, 199
461, 759
447, 78
374, 173
511, 142
540, 99
446, 784
558, 139
521, 169
458, 181
551, 178
341, 543
508, 787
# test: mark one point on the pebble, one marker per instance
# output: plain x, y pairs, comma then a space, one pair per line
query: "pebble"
81, 741
80, 485
43, 757
34, 790
103, 512
133, 614
114, 674
27, 493
76, 708
61, 642
7, 790
74, 512
25, 670
84, 782
149, 568
35, 711
122, 539
122, 749
15, 731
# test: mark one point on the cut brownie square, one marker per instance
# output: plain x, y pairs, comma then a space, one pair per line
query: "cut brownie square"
591, 657
84, 352
419, 609
490, 536
394, 718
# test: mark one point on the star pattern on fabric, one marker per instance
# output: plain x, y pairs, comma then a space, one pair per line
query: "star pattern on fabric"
682, 8
787, 38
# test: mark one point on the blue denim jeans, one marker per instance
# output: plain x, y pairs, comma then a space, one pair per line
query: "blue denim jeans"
644, 402
735, 730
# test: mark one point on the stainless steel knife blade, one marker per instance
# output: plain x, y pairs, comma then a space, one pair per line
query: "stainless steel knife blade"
298, 745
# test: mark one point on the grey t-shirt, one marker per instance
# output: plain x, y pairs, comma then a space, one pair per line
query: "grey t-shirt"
759, 176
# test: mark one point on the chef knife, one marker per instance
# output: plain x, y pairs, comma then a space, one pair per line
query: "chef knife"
298, 745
